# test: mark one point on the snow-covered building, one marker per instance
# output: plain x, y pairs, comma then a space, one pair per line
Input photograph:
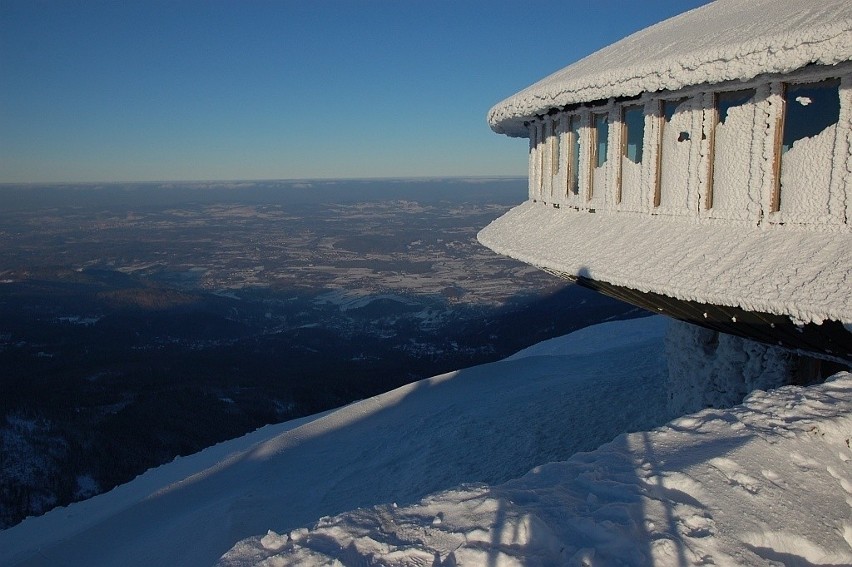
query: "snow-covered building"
701, 168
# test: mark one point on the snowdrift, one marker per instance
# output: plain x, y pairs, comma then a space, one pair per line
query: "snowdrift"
428, 470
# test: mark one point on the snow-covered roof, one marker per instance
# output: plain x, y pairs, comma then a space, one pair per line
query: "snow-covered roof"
726, 40
807, 278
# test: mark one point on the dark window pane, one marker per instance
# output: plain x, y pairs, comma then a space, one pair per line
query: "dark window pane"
726, 101
602, 138
634, 124
811, 108
669, 108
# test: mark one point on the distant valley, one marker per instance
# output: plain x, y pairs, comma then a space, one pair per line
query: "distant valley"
142, 322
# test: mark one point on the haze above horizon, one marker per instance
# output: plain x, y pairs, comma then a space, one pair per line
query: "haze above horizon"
108, 91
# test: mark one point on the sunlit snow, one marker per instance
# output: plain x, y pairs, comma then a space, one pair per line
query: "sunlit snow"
423, 475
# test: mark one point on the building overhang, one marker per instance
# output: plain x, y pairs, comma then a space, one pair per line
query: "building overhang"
801, 275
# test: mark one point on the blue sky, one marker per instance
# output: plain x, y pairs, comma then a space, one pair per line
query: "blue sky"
190, 89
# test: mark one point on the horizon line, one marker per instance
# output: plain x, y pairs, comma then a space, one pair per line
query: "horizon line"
266, 180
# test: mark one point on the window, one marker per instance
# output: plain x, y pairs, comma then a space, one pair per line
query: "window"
554, 147
634, 131
536, 160
804, 153
600, 146
573, 141
531, 161
725, 102
601, 139
730, 158
811, 108
673, 154
632, 135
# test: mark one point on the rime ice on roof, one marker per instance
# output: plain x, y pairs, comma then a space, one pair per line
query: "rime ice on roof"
701, 167
727, 40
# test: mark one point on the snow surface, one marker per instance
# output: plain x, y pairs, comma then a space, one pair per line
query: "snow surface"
764, 483
807, 277
485, 424
767, 481
725, 40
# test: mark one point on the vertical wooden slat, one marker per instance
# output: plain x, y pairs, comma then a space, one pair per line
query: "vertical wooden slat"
775, 198
661, 123
541, 157
714, 121
620, 165
593, 156
568, 150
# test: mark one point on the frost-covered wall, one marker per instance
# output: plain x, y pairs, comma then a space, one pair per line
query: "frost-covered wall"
680, 133
708, 369
732, 154
773, 151
808, 136
630, 137
740, 193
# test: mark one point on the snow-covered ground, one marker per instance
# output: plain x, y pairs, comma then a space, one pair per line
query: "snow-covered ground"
429, 469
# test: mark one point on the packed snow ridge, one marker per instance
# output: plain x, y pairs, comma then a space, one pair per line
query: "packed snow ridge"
433, 473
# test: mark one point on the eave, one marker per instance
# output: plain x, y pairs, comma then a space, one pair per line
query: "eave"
802, 275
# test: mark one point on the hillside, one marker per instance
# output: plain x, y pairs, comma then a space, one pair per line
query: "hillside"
431, 467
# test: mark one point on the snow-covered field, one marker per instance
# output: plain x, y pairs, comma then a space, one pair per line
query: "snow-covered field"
481, 467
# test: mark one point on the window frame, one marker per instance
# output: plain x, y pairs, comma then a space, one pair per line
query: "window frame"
594, 139
661, 130
780, 125
711, 137
624, 109
573, 142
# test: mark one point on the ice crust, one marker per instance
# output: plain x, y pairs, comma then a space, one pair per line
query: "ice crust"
726, 40
806, 277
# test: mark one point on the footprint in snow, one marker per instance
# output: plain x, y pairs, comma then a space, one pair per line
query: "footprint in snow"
731, 471
844, 482
804, 463
772, 477
846, 485
697, 526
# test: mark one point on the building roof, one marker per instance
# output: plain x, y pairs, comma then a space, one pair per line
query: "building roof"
726, 40
806, 278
